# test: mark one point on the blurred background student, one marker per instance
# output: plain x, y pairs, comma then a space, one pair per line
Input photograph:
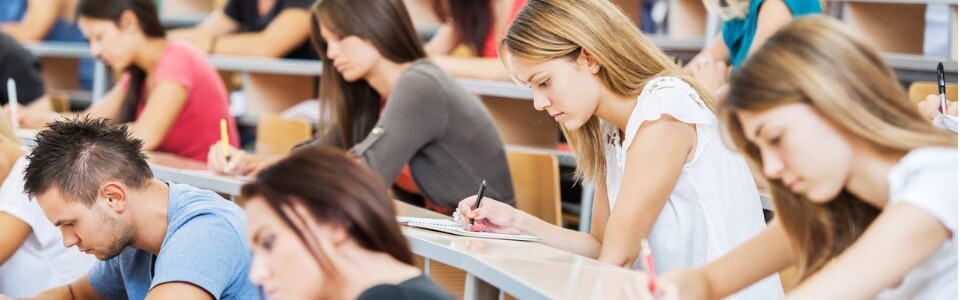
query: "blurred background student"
45, 20
169, 92
747, 26
268, 28
322, 226
32, 255
402, 115
466, 45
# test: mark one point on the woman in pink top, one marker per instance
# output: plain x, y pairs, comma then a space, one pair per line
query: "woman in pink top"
169, 93
479, 25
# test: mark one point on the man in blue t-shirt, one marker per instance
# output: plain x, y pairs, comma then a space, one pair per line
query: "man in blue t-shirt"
155, 239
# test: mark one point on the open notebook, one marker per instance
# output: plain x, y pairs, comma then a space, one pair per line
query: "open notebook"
451, 227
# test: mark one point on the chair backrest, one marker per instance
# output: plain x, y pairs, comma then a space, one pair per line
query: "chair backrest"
536, 184
276, 135
59, 101
920, 89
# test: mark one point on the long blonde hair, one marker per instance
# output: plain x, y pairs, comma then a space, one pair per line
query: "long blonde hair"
818, 61
551, 29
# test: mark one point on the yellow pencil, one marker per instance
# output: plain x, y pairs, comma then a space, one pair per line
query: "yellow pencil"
224, 139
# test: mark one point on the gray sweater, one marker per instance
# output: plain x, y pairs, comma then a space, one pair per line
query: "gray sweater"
446, 135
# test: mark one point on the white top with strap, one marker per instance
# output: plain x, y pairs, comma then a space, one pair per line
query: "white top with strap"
714, 205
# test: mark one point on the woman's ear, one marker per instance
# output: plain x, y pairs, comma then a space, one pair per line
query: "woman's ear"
129, 23
587, 60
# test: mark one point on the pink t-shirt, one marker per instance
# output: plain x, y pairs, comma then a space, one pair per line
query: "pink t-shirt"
198, 124
490, 48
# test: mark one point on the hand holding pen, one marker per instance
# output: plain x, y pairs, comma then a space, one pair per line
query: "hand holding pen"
490, 216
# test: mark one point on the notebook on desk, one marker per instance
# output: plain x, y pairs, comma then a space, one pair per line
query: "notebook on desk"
451, 227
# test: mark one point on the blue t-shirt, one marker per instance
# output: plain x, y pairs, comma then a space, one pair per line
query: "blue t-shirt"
205, 245
738, 33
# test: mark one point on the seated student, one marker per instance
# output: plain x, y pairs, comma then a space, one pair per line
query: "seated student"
865, 188
45, 20
155, 239
169, 92
32, 256
478, 25
20, 65
394, 108
345, 229
643, 132
747, 25
278, 28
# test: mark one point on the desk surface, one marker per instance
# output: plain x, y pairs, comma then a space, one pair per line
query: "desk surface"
59, 49
526, 270
182, 170
305, 67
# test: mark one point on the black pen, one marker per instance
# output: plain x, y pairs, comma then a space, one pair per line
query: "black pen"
476, 205
942, 85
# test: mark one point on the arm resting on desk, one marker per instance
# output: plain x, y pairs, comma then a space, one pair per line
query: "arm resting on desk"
287, 32
217, 23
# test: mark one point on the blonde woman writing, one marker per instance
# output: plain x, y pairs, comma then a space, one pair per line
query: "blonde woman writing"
865, 188
643, 132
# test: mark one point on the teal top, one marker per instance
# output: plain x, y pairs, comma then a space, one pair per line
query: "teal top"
738, 33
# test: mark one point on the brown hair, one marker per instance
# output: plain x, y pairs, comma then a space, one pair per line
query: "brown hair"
335, 190
356, 105
551, 29
818, 61
472, 21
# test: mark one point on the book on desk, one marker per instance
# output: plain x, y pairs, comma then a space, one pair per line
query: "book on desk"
451, 227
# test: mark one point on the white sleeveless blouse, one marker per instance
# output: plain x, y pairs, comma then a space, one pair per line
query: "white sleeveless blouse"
714, 206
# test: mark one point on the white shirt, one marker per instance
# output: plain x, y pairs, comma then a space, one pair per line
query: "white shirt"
714, 205
42, 261
927, 178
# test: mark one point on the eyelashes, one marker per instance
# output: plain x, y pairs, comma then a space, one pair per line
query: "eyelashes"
267, 242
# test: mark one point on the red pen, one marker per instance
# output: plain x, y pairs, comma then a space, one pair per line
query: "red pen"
648, 264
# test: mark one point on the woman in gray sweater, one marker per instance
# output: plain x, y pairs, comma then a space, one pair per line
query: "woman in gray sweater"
393, 108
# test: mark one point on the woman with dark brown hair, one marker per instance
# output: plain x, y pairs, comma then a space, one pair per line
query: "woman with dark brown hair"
322, 227
393, 108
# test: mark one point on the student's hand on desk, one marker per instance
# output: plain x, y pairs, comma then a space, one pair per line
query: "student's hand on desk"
710, 73
930, 108
28, 118
239, 164
491, 216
